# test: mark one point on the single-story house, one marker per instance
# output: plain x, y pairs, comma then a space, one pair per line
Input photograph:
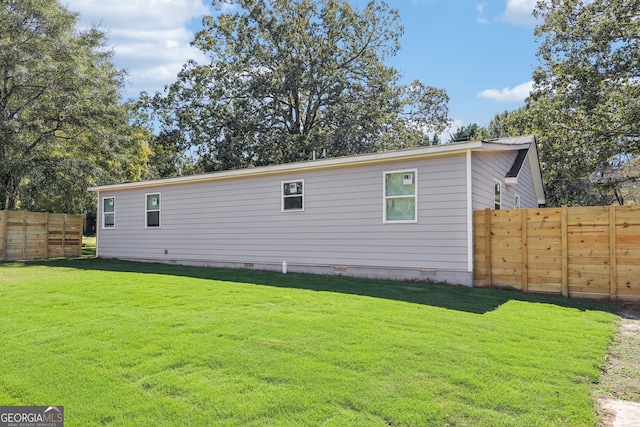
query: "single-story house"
401, 215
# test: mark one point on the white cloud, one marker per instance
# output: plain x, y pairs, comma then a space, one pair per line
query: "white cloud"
150, 38
480, 7
516, 94
519, 12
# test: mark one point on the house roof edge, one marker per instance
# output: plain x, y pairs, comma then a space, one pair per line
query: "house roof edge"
361, 159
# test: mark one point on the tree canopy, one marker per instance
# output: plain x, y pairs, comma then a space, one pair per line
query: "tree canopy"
286, 78
585, 107
472, 132
586, 102
62, 126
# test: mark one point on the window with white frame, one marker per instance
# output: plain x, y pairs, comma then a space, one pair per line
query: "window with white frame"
400, 196
152, 209
109, 212
497, 194
516, 202
293, 195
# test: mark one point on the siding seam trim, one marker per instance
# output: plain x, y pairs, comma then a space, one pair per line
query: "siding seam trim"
469, 214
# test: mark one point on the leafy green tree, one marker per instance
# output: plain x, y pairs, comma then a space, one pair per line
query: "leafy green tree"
168, 159
562, 185
61, 124
566, 180
586, 104
506, 124
58, 182
472, 132
290, 77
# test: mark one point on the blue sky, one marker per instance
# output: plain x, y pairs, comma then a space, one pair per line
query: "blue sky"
481, 52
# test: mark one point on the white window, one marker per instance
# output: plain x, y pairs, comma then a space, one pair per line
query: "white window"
152, 208
516, 202
400, 196
293, 195
109, 212
497, 194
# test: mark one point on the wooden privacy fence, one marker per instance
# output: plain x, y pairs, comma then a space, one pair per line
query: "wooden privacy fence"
587, 252
30, 235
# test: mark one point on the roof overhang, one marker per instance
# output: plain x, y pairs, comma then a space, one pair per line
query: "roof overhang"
311, 165
527, 148
502, 144
511, 178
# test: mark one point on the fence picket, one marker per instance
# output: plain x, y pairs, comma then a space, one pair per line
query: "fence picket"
20, 237
613, 259
5, 234
588, 252
564, 285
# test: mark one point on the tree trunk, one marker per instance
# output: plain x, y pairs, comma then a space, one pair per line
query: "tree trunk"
9, 186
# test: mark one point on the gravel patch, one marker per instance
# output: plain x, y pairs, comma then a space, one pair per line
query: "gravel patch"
618, 393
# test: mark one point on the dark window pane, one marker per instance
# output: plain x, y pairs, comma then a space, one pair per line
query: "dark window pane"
293, 203
109, 220
109, 205
153, 202
153, 219
292, 188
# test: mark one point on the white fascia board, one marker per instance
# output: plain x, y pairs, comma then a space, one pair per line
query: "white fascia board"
487, 146
534, 162
511, 180
416, 153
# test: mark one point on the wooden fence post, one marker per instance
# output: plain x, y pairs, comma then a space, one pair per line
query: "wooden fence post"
524, 250
613, 258
46, 235
64, 231
487, 248
80, 234
5, 233
24, 235
564, 284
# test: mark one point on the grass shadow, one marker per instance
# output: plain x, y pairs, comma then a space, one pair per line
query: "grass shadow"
460, 298
88, 251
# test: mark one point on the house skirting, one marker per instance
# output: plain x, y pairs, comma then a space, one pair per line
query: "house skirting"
401, 274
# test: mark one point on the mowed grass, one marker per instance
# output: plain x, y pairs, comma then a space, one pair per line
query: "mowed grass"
88, 246
129, 344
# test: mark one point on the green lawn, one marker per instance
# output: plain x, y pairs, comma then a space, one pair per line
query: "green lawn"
88, 246
129, 344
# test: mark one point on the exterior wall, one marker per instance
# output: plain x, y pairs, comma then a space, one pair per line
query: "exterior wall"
487, 166
525, 187
238, 222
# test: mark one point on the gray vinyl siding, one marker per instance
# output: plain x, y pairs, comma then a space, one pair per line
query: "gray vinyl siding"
239, 220
525, 187
487, 166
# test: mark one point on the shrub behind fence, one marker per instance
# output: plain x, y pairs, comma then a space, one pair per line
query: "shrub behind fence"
31, 235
